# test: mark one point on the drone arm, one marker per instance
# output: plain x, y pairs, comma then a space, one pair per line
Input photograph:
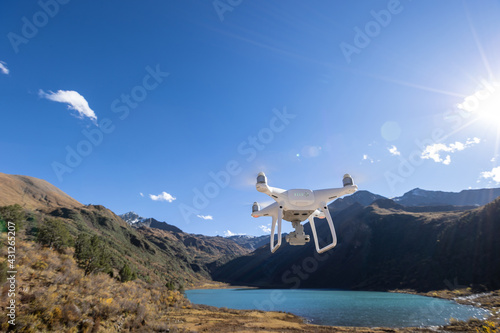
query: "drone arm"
330, 194
277, 194
270, 210
326, 212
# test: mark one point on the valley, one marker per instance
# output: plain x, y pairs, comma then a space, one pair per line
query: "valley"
383, 245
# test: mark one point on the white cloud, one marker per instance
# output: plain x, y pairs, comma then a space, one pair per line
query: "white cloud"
367, 158
394, 150
265, 228
74, 100
141, 194
494, 174
433, 151
228, 233
163, 196
206, 217
3, 68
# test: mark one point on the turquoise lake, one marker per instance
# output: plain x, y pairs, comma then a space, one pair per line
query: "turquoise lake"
342, 308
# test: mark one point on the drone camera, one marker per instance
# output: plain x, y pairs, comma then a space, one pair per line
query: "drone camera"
295, 238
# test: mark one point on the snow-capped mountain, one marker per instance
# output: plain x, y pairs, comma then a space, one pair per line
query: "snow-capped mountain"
137, 221
132, 217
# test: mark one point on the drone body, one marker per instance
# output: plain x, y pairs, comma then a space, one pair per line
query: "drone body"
298, 205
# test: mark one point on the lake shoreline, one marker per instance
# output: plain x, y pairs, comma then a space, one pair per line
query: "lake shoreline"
289, 321
487, 300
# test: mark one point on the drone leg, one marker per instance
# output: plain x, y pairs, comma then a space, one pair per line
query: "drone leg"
278, 219
325, 210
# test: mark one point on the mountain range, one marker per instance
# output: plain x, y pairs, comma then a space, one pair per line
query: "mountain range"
421, 240
384, 245
419, 197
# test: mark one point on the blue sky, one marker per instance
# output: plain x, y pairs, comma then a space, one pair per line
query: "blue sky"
171, 108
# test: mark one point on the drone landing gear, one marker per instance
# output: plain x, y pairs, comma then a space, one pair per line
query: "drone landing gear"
297, 237
326, 212
276, 218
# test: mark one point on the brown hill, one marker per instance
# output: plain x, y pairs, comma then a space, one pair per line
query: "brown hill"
33, 193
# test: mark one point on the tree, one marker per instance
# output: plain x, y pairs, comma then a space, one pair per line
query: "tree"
126, 274
92, 254
54, 234
12, 213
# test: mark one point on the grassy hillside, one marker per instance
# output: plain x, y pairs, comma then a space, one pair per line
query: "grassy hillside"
55, 295
32, 193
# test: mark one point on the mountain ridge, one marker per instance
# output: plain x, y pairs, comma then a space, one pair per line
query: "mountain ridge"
469, 197
33, 193
383, 246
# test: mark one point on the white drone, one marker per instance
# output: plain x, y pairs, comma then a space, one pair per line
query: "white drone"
298, 205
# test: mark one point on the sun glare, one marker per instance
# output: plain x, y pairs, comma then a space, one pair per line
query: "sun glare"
484, 104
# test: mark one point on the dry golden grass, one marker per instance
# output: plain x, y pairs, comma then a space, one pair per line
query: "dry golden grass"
54, 295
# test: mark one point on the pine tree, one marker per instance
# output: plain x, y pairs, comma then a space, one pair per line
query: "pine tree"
126, 274
92, 254
54, 234
12, 213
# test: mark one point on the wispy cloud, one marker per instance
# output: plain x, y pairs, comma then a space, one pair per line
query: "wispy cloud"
206, 217
163, 196
228, 233
494, 174
141, 194
394, 150
74, 100
265, 228
434, 151
367, 158
3, 68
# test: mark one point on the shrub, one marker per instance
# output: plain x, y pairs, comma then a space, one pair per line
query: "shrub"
92, 254
54, 234
12, 213
126, 274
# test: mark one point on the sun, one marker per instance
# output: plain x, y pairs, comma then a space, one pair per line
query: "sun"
484, 103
